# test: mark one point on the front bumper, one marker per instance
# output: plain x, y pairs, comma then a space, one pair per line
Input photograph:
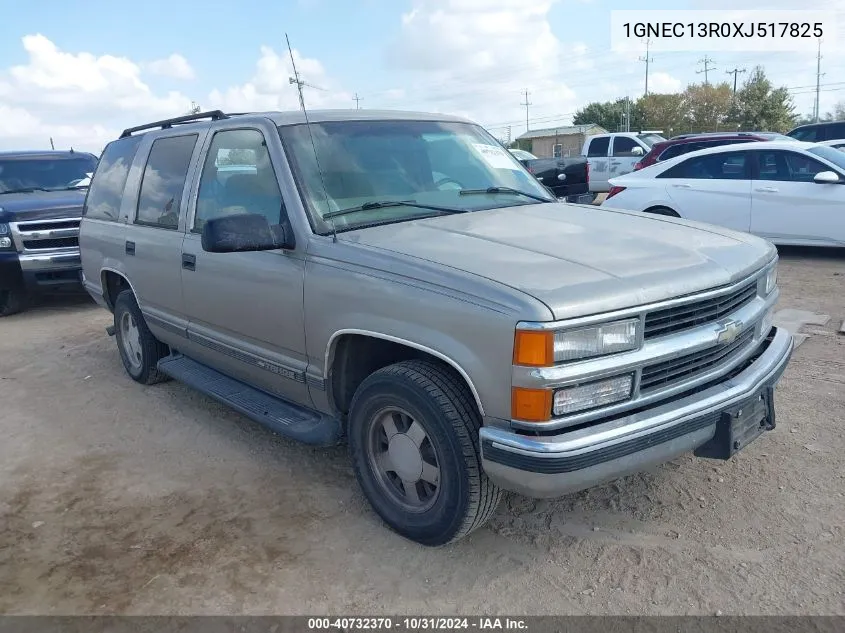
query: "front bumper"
550, 466
51, 270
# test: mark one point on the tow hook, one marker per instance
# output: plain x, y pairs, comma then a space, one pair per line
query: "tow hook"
110, 330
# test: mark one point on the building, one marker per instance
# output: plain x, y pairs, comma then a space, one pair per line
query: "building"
557, 142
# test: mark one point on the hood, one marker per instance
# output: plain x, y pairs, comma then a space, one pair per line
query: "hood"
579, 260
41, 205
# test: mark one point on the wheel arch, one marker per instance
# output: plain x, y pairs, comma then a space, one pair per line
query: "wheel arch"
113, 282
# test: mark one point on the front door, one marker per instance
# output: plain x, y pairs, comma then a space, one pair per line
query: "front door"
788, 207
623, 155
246, 309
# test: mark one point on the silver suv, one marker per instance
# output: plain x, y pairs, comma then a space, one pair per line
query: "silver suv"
399, 281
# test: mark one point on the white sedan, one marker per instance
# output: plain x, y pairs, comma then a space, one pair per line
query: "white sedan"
787, 192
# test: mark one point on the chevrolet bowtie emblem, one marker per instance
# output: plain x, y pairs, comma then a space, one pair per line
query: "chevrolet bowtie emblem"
729, 331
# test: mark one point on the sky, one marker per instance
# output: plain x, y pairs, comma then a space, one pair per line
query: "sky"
81, 72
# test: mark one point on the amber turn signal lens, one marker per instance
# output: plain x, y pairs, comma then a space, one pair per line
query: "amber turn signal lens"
531, 405
534, 349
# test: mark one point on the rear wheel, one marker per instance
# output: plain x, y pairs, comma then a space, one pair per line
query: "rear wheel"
413, 438
12, 301
663, 211
140, 351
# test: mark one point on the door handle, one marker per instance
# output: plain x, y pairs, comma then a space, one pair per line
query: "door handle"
189, 262
767, 189
130, 247
682, 186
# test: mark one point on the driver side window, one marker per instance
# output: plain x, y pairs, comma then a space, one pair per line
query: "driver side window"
237, 178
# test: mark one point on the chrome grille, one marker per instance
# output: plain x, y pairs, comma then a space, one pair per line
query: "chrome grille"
43, 235
690, 366
689, 315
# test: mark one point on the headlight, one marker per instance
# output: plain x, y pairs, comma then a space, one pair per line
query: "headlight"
771, 279
596, 340
544, 348
592, 395
4, 229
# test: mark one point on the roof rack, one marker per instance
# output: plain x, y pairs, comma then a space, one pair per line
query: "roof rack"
214, 115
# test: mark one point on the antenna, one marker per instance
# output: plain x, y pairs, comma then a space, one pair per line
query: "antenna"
299, 83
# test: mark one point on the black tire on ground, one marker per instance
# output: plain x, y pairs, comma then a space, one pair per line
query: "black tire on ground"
663, 211
439, 400
12, 301
149, 349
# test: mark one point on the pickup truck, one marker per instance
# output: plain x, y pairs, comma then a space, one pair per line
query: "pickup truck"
398, 281
614, 154
568, 178
41, 197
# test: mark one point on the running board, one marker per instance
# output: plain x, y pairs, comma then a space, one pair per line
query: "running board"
284, 418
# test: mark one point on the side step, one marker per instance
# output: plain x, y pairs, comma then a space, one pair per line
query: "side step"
278, 415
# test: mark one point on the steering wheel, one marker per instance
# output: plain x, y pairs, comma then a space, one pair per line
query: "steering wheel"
447, 180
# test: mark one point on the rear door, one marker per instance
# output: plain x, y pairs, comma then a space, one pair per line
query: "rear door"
787, 207
152, 243
598, 151
714, 188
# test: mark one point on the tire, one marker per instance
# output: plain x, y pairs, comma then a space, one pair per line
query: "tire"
12, 301
663, 211
430, 396
139, 350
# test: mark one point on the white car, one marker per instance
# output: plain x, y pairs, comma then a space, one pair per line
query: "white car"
787, 192
838, 143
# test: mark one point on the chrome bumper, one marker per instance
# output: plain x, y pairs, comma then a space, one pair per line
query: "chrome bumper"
555, 465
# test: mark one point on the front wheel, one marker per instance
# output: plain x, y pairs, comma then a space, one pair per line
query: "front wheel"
413, 438
12, 301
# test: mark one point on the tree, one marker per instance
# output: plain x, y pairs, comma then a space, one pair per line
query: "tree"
609, 115
760, 106
659, 112
707, 108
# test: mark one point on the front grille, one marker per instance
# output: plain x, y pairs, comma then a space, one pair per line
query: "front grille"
689, 367
48, 225
689, 315
56, 242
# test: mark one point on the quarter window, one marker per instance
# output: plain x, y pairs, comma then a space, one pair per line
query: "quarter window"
163, 181
106, 190
237, 178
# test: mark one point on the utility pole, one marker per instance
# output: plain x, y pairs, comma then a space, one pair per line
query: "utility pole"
509, 136
526, 104
627, 114
357, 99
647, 60
819, 75
706, 61
735, 72
51, 143
195, 108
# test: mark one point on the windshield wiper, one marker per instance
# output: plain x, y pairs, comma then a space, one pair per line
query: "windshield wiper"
367, 206
26, 190
472, 192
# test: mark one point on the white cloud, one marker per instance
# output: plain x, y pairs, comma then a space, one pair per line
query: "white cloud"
664, 83
175, 66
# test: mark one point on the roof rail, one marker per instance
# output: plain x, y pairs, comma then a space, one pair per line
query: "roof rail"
214, 115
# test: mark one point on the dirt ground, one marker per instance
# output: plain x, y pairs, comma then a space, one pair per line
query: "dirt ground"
117, 498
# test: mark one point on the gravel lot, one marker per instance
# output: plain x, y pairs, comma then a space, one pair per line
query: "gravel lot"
117, 498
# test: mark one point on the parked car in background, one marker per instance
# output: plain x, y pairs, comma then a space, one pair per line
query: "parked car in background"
685, 143
787, 192
41, 197
838, 143
567, 178
614, 154
816, 132
398, 281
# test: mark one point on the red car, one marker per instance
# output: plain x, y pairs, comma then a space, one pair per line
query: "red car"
684, 143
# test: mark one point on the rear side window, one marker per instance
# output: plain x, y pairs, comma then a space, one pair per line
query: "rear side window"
674, 150
599, 146
164, 180
106, 190
721, 166
835, 131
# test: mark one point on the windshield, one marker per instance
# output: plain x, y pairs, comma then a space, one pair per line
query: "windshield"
650, 139
421, 162
522, 154
830, 154
42, 172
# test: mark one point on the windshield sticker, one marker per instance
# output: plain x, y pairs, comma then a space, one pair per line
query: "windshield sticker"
496, 157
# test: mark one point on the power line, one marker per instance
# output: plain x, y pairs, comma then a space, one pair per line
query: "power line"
526, 104
706, 61
735, 72
647, 61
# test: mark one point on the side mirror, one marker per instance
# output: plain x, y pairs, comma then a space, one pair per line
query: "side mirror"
243, 233
826, 178
637, 151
